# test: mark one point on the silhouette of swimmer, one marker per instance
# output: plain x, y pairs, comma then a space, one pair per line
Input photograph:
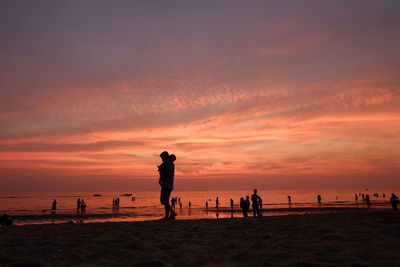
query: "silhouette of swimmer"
289, 199
206, 205
166, 181
368, 199
190, 204
54, 206
394, 200
5, 220
356, 197
255, 199
319, 198
217, 203
231, 201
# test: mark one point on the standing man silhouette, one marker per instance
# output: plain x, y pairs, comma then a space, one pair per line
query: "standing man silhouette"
166, 181
255, 199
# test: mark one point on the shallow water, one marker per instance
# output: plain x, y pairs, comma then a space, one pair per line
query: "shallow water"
33, 208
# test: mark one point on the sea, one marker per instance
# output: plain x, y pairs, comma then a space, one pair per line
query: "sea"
35, 208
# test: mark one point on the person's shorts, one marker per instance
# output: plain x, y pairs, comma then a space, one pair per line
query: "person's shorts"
165, 194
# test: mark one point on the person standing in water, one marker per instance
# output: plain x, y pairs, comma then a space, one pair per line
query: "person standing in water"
217, 203
231, 201
166, 181
368, 200
78, 205
243, 207
394, 200
255, 199
54, 206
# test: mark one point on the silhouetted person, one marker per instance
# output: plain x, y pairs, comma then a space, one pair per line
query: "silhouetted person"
83, 206
78, 205
368, 199
394, 200
289, 199
173, 203
319, 198
255, 200
363, 196
243, 206
356, 197
217, 203
383, 195
166, 181
247, 204
206, 205
231, 202
190, 205
54, 206
5, 220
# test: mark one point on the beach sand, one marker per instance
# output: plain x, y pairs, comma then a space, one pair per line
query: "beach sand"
354, 238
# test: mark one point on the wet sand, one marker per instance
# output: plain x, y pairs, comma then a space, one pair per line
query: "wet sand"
352, 238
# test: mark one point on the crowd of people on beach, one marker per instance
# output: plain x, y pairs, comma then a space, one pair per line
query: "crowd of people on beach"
166, 180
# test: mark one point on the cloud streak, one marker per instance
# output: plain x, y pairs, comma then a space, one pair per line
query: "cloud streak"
266, 88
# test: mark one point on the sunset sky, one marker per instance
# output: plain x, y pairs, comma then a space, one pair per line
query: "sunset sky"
285, 93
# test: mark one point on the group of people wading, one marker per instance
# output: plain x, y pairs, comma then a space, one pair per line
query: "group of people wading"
167, 173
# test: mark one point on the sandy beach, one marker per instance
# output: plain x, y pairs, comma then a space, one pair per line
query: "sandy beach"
352, 238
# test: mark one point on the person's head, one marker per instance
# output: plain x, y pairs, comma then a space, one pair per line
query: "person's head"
172, 157
241, 199
164, 155
255, 191
247, 197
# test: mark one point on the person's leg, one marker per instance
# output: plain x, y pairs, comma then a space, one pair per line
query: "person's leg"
166, 208
164, 201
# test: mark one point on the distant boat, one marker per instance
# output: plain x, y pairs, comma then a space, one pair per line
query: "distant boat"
97, 195
126, 195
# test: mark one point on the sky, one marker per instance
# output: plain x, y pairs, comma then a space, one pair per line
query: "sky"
278, 94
